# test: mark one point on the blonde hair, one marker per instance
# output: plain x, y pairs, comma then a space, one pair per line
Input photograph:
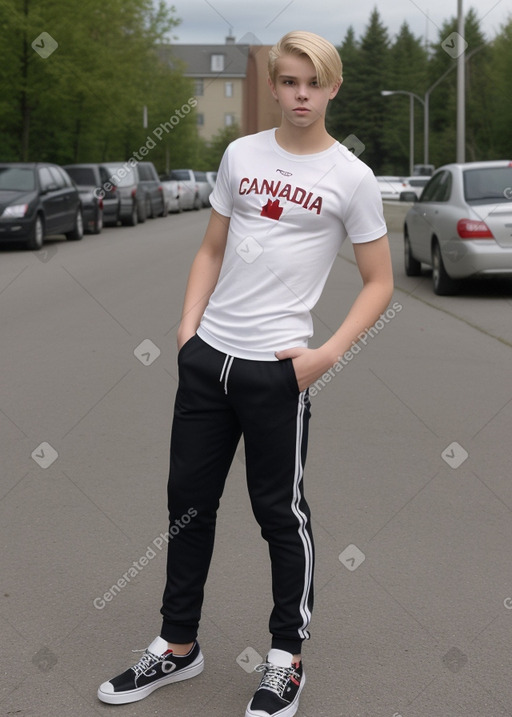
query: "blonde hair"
322, 53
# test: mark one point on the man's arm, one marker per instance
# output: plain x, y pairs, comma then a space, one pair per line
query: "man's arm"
374, 263
203, 276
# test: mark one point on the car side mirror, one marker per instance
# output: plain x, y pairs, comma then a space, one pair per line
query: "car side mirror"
408, 197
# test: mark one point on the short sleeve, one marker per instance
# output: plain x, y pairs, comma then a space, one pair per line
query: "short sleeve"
221, 198
364, 220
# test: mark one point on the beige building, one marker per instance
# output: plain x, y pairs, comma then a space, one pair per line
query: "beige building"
230, 85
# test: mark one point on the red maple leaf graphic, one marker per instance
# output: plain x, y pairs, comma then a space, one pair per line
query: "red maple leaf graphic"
272, 210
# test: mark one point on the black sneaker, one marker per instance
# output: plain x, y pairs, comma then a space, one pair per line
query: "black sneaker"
157, 667
280, 687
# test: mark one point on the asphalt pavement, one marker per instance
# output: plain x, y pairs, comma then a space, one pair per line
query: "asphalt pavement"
408, 478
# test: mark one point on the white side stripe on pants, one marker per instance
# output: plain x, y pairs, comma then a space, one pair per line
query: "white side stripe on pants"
304, 535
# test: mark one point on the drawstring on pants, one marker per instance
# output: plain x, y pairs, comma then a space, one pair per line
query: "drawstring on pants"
226, 368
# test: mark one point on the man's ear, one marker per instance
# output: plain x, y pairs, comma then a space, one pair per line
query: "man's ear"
335, 89
272, 88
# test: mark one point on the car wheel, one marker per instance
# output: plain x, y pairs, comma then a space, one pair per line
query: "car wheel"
98, 222
37, 237
149, 209
133, 219
412, 265
142, 213
442, 283
78, 229
197, 203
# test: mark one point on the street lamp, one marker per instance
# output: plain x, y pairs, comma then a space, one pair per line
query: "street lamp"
386, 93
426, 105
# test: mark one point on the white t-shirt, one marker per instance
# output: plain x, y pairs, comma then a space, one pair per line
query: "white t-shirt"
289, 215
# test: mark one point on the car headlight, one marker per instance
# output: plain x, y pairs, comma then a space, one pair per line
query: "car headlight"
15, 211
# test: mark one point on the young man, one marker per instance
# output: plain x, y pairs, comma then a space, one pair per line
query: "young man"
284, 202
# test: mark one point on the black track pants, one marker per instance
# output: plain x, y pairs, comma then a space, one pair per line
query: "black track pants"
219, 398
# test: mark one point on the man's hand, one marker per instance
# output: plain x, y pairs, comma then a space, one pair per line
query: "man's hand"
308, 364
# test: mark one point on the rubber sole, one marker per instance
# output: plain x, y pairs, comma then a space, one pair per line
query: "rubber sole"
122, 698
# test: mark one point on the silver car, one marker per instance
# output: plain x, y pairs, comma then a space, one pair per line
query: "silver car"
461, 225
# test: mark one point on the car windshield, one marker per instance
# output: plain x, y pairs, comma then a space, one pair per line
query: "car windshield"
83, 176
180, 174
488, 184
17, 179
121, 176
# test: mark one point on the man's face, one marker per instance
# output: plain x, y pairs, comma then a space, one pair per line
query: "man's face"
296, 88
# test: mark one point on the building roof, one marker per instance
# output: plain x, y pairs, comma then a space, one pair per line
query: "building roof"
198, 59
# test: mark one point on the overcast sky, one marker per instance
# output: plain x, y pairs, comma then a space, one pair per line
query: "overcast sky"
265, 21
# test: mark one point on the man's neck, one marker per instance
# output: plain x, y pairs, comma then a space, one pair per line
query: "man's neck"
303, 140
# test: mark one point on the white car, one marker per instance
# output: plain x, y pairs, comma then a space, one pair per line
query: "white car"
462, 224
190, 197
416, 184
171, 193
392, 187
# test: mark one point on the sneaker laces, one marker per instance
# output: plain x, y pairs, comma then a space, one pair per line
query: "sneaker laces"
147, 660
275, 677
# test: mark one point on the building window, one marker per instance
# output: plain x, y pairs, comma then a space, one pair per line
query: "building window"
199, 88
229, 119
228, 89
200, 119
217, 63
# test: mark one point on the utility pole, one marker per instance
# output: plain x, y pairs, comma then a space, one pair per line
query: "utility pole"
461, 89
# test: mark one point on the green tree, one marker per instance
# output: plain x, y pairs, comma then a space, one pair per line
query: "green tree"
407, 72
211, 152
84, 102
359, 107
343, 112
499, 109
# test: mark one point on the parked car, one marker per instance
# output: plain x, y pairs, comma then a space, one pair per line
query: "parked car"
188, 188
462, 224
423, 170
124, 177
391, 187
153, 189
204, 187
38, 199
211, 178
171, 190
98, 208
414, 185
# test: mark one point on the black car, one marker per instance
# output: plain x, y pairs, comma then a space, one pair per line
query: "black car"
38, 199
99, 207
